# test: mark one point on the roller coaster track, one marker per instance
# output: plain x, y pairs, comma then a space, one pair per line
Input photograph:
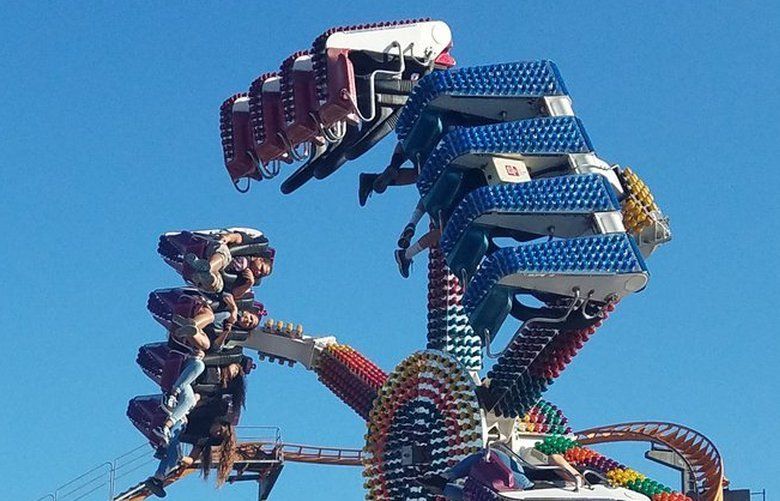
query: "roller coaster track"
268, 455
699, 453
310, 454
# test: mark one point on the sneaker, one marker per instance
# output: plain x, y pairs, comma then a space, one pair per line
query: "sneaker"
196, 263
186, 331
168, 403
208, 281
404, 263
163, 436
155, 486
434, 484
182, 321
405, 240
366, 187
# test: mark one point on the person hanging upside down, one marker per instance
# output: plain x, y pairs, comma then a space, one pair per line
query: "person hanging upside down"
393, 175
207, 428
232, 382
216, 325
192, 341
205, 332
477, 466
209, 274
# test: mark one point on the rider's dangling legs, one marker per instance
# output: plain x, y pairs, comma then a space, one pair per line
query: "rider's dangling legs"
393, 175
181, 398
405, 256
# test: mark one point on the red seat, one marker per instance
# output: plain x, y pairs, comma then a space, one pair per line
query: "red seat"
171, 370
237, 138
299, 98
267, 120
339, 89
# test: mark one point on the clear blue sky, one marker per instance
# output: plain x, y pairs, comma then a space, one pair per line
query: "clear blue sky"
108, 137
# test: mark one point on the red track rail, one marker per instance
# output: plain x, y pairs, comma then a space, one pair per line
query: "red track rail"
322, 455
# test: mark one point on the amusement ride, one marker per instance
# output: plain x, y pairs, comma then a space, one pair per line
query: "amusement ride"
529, 230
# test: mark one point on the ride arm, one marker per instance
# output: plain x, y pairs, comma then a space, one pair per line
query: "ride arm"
227, 326
246, 280
578, 318
231, 238
219, 342
230, 301
571, 473
524, 312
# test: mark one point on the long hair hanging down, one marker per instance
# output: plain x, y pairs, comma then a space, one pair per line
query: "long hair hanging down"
236, 387
227, 455
205, 462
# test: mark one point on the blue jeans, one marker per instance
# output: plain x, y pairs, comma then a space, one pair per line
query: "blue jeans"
193, 367
173, 454
453, 492
463, 468
518, 473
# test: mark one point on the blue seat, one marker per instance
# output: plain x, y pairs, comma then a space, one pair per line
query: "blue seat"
603, 267
479, 95
543, 144
563, 206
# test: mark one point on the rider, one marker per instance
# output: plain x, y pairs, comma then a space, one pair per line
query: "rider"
232, 382
393, 175
205, 332
473, 466
444, 484
216, 323
194, 342
207, 427
208, 274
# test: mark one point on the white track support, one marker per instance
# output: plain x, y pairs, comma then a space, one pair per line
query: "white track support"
421, 40
272, 341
